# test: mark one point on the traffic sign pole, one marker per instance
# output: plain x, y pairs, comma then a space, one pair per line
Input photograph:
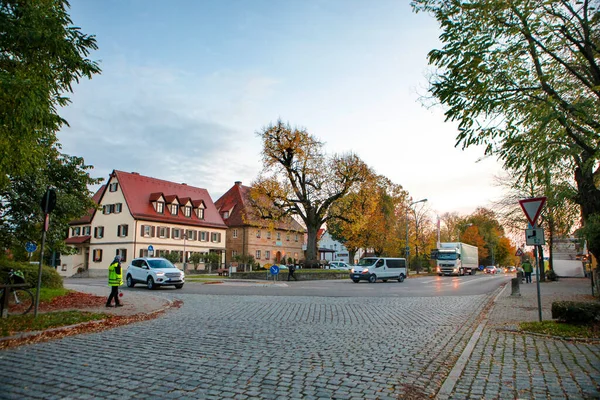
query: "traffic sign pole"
532, 208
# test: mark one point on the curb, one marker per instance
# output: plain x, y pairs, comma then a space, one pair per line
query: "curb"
33, 334
450, 382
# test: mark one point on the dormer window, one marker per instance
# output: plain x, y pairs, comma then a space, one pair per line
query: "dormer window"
225, 214
201, 213
187, 211
174, 209
160, 207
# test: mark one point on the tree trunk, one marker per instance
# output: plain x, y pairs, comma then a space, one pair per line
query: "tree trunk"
588, 196
311, 242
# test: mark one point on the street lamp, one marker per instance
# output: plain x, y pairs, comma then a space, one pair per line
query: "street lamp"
407, 249
184, 255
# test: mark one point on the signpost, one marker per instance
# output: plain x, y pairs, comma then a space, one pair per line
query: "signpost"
150, 251
48, 204
30, 247
519, 252
274, 271
534, 236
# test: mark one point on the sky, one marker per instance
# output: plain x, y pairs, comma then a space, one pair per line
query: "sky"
186, 85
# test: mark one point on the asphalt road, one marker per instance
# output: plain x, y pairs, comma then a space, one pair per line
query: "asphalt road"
424, 286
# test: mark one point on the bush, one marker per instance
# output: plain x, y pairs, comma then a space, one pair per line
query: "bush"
551, 275
574, 312
50, 278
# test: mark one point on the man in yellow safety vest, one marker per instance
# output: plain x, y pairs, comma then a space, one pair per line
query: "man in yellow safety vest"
115, 279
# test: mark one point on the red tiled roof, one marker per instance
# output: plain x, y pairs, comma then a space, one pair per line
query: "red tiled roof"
138, 191
90, 214
235, 200
78, 239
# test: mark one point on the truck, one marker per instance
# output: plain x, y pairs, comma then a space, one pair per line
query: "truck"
456, 258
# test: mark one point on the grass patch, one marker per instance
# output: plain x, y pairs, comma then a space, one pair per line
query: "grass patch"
26, 323
50, 294
554, 328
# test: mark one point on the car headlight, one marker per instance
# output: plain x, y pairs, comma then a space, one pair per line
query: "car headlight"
160, 274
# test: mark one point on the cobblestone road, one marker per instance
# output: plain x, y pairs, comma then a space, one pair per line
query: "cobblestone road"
256, 347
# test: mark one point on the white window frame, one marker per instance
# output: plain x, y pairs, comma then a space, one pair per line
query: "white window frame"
174, 209
234, 233
267, 255
160, 207
257, 255
175, 233
187, 211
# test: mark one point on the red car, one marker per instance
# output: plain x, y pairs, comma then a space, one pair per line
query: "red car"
490, 270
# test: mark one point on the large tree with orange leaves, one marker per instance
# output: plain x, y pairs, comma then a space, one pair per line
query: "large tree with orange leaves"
299, 179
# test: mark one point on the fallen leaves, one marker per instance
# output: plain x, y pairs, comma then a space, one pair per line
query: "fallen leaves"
80, 301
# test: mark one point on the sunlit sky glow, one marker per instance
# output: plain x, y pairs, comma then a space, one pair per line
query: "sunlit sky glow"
186, 85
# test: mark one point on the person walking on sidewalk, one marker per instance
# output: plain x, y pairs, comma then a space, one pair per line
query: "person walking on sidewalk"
292, 269
528, 269
115, 279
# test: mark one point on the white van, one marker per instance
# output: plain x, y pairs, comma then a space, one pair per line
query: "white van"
373, 268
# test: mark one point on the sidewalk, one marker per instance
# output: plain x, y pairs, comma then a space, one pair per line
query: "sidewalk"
133, 303
506, 364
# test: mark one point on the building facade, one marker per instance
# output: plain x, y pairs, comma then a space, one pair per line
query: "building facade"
333, 250
140, 216
269, 242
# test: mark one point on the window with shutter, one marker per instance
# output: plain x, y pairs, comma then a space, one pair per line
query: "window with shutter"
118, 207
123, 254
113, 187
97, 255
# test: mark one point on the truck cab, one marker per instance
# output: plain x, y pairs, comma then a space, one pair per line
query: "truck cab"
456, 259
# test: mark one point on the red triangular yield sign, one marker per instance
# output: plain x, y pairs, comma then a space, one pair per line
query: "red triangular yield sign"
519, 252
532, 208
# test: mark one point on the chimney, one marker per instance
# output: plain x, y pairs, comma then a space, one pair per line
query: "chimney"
238, 183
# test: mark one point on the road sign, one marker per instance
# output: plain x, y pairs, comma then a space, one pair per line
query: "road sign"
274, 270
48, 201
30, 247
534, 237
519, 252
150, 250
532, 208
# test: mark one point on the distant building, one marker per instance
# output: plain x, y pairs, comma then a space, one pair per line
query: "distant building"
333, 250
267, 241
137, 213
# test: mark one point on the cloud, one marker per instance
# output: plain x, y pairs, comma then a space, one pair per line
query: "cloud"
167, 124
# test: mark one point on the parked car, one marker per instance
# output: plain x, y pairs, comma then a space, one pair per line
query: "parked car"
490, 269
154, 272
338, 265
512, 269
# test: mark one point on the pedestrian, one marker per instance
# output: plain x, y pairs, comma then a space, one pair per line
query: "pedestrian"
115, 279
528, 269
292, 269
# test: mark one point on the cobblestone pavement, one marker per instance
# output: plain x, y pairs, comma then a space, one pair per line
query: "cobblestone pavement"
509, 365
244, 347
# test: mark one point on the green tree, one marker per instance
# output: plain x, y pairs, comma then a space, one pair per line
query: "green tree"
212, 260
299, 179
522, 78
21, 216
173, 256
195, 259
41, 55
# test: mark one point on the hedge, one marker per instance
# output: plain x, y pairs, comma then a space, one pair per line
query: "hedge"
50, 278
575, 312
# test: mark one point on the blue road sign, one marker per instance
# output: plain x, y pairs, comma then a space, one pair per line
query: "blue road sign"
30, 247
150, 248
274, 269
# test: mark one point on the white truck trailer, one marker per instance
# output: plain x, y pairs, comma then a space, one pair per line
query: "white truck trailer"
455, 258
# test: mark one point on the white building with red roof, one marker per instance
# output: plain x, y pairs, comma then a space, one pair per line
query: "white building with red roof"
137, 213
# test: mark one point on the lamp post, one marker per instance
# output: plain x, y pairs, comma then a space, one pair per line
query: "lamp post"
407, 248
184, 255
